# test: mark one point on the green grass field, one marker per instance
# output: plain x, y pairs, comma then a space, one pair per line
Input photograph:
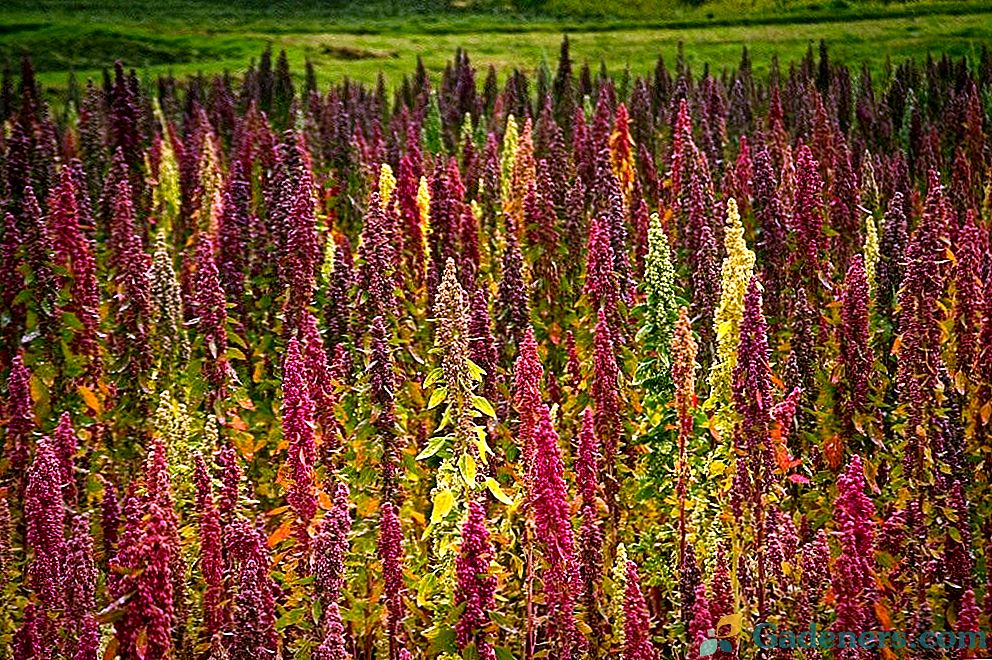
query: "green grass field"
361, 39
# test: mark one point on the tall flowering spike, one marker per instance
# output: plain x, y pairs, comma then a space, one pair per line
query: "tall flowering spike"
211, 312
870, 253
814, 562
451, 310
297, 416
375, 279
476, 585
132, 302
808, 213
968, 293
423, 207
145, 561
771, 217
387, 184
338, 311
549, 499
721, 590
158, 489
843, 204
684, 350
591, 532
622, 152
301, 256
88, 643
870, 195
81, 573
659, 286
38, 252
482, 343
19, 415
967, 621
234, 234
957, 551
5, 542
253, 633
168, 333
853, 334
681, 148
618, 575
74, 253
737, 272
508, 156
215, 614
527, 376
66, 444
11, 274
606, 393
891, 248
512, 303
524, 171
601, 285
390, 546
615, 219
230, 477
319, 379
331, 546
382, 382
752, 383
330, 549
701, 624
852, 579
45, 516
920, 359
637, 622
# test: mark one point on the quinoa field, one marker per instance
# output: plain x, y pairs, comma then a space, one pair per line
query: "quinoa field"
566, 361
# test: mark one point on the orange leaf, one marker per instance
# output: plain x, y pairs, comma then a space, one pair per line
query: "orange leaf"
90, 398
281, 533
833, 449
882, 613
111, 651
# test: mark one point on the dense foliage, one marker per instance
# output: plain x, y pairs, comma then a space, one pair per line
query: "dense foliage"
568, 366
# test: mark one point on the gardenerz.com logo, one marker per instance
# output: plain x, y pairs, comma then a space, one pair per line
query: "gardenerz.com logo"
767, 636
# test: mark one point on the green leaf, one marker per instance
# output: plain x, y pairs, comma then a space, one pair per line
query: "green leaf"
71, 320
503, 653
434, 446
497, 492
475, 371
466, 465
437, 396
432, 377
235, 354
481, 404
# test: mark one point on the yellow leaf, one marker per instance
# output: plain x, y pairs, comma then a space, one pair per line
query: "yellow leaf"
443, 502
497, 492
466, 465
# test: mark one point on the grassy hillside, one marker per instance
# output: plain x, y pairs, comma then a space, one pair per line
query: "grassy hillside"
361, 39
